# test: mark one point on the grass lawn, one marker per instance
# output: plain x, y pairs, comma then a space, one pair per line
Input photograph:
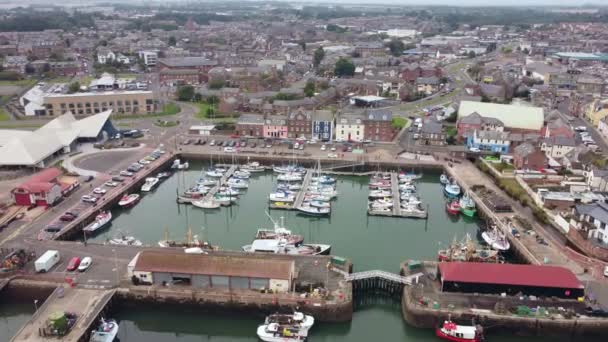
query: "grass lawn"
19, 83
399, 123
168, 109
503, 166
451, 131
4, 115
202, 110
25, 124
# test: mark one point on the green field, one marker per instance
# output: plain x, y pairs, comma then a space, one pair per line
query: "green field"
399, 123
19, 83
4, 115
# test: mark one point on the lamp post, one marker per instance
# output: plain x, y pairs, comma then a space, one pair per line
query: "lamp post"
36, 305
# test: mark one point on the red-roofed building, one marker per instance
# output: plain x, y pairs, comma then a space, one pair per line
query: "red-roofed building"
512, 279
42, 189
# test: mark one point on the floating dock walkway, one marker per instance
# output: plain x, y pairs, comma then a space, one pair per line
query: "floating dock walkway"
221, 181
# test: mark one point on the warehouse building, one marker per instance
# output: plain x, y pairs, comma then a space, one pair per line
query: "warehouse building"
212, 271
511, 279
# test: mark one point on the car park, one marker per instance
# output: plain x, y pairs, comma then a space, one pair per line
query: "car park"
73, 264
89, 199
99, 191
85, 264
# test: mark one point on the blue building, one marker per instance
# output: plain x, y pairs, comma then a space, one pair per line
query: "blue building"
323, 125
492, 141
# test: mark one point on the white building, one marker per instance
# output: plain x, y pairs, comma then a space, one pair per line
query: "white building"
350, 128
105, 56
150, 57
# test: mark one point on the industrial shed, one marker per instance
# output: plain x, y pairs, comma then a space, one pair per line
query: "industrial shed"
512, 279
212, 271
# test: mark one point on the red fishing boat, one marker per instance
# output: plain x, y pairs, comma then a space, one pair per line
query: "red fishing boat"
453, 208
459, 333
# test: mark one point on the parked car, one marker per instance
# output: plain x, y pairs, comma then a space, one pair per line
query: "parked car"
350, 149
186, 142
301, 146
323, 147
110, 184
253, 145
212, 143
73, 264
89, 199
606, 271
144, 161
88, 178
99, 191
126, 173
332, 155
474, 149
229, 149
243, 144
333, 149
67, 217
85, 264
203, 142
118, 179
580, 128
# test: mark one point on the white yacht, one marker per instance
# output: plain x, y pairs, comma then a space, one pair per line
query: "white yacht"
150, 183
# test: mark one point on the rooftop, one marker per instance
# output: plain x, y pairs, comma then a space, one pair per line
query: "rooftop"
513, 116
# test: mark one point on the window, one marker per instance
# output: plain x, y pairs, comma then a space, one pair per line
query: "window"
88, 104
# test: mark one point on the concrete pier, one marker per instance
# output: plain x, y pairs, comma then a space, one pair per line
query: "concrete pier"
302, 192
86, 304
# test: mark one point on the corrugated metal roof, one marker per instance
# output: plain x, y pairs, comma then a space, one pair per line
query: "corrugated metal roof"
509, 274
513, 116
171, 262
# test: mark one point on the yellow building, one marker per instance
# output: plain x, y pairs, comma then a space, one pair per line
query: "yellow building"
596, 111
121, 102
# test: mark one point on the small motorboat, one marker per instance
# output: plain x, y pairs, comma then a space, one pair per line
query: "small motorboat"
288, 169
459, 333
206, 182
380, 193
290, 177
467, 206
101, 220
496, 239
124, 240
238, 183
241, 174
317, 197
320, 204
282, 196
314, 211
253, 167
410, 199
206, 204
105, 332
379, 210
304, 322
409, 175
230, 192
150, 183
196, 190
407, 186
128, 200
409, 210
214, 174
225, 200
177, 164
380, 185
443, 179
163, 175
290, 187
453, 208
323, 180
274, 332
452, 190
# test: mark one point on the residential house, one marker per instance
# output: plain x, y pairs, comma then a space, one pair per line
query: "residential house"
432, 133
275, 127
597, 179
556, 127
514, 118
299, 124
493, 92
540, 71
322, 125
493, 141
370, 49
602, 126
528, 156
590, 85
250, 125
596, 111
105, 56
15, 63
558, 146
378, 125
427, 85
350, 128
475, 121
596, 216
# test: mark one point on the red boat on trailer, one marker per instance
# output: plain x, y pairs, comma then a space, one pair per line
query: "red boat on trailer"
453, 208
459, 333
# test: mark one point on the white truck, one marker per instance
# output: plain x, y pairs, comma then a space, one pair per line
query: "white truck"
47, 261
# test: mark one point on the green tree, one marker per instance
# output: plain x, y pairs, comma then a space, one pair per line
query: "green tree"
216, 84
74, 87
213, 100
185, 93
344, 67
471, 54
303, 45
172, 41
318, 56
396, 46
309, 89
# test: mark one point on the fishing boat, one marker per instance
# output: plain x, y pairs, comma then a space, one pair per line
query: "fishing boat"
443, 179
467, 206
105, 332
496, 239
280, 246
252, 167
192, 241
319, 204
380, 193
304, 322
409, 210
451, 190
128, 200
206, 204
162, 175
279, 232
314, 211
290, 177
459, 333
149, 184
282, 196
453, 207
274, 332
467, 251
124, 240
101, 220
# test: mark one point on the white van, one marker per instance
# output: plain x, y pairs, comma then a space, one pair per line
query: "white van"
46, 261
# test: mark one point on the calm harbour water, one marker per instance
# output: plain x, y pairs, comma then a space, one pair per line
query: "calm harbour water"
370, 242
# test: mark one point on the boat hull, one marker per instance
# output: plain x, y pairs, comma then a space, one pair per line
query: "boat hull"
470, 212
446, 337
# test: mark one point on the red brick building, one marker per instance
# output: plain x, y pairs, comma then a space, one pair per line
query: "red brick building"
250, 125
378, 125
528, 156
42, 189
180, 76
186, 65
299, 123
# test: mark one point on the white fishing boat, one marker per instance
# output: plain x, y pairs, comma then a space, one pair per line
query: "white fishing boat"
206, 204
314, 211
320, 204
304, 322
290, 177
128, 200
380, 193
280, 246
443, 179
452, 190
149, 184
252, 167
105, 332
275, 332
124, 240
279, 232
101, 220
281, 196
496, 239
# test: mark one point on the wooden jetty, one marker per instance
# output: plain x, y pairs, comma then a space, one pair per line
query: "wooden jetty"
302, 192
